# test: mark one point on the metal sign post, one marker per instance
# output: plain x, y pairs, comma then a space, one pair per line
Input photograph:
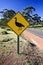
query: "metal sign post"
18, 44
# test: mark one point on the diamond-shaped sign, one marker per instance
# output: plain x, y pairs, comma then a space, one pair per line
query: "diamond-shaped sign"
18, 23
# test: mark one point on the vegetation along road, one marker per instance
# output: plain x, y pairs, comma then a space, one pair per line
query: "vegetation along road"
36, 32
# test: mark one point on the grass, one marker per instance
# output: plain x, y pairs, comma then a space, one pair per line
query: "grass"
38, 27
9, 45
6, 48
26, 62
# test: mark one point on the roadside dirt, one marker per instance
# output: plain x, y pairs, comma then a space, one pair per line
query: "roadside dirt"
34, 39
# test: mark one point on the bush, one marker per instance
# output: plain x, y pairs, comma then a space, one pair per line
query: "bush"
8, 29
7, 39
42, 23
5, 32
2, 27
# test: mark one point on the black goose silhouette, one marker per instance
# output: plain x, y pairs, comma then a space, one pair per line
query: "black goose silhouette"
18, 24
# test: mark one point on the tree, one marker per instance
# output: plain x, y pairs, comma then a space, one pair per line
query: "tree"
42, 22
7, 15
36, 18
27, 12
3, 22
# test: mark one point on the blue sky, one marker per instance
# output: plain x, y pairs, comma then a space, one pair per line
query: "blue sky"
18, 5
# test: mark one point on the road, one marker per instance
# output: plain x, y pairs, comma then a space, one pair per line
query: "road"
36, 32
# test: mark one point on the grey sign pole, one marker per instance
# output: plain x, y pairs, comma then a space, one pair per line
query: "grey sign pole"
18, 44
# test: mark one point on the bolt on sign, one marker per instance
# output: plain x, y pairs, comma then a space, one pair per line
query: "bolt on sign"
18, 23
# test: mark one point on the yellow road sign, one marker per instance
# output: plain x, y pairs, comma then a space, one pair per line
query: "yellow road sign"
18, 23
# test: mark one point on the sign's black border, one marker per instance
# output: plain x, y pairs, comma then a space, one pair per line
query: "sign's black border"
24, 18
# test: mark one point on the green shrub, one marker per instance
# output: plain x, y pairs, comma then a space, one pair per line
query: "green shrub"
42, 23
5, 32
3, 27
7, 39
8, 29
